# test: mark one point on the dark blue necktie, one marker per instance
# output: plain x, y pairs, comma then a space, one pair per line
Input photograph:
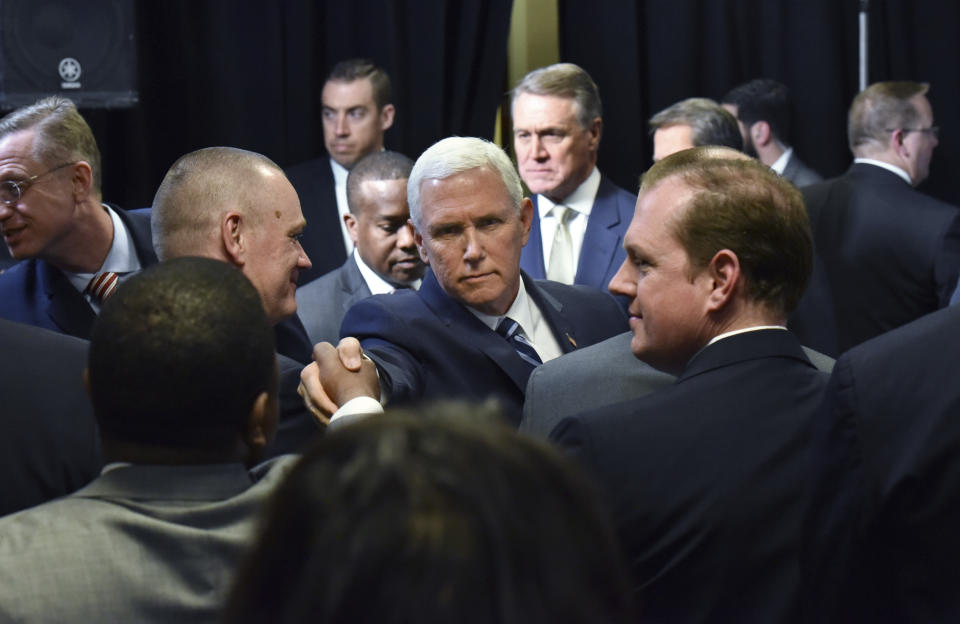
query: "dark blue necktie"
510, 329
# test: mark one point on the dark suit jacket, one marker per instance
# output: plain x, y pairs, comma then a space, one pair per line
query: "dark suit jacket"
296, 426
6, 260
601, 374
799, 173
887, 256
324, 302
37, 293
428, 346
50, 445
881, 540
706, 480
322, 238
290, 339
141, 543
602, 252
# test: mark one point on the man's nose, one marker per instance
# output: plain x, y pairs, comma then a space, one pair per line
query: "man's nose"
405, 239
539, 149
624, 281
303, 260
473, 247
342, 128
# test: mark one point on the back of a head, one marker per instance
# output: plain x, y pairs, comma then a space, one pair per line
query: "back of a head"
568, 81
197, 190
178, 355
62, 134
878, 110
428, 518
763, 99
454, 155
742, 205
385, 165
362, 68
711, 123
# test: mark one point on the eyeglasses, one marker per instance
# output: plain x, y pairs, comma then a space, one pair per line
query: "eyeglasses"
933, 131
11, 192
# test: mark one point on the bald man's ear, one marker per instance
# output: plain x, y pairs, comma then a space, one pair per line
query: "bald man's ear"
231, 235
725, 276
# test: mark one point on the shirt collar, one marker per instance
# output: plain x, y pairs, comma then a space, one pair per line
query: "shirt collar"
580, 200
340, 173
885, 165
376, 284
743, 331
122, 257
519, 311
781, 163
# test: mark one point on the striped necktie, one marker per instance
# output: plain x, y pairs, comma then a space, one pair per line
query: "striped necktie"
102, 285
510, 329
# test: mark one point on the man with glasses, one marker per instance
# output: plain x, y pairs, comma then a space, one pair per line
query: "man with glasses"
886, 253
75, 250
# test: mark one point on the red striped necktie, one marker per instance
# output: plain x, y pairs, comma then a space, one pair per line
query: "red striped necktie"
102, 285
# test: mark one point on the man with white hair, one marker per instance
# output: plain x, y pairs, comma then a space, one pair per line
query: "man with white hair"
478, 325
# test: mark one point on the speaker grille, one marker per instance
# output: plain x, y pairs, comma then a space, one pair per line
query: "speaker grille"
82, 50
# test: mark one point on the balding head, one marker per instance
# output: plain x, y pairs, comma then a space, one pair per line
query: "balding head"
197, 190
238, 207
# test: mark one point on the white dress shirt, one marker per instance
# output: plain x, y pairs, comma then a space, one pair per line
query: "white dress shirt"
122, 258
781, 163
581, 202
376, 284
885, 165
340, 187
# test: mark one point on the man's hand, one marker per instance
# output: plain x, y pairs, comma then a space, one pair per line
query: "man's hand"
336, 376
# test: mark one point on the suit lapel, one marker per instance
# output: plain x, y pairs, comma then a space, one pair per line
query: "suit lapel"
138, 226
531, 258
65, 305
552, 311
352, 284
601, 240
470, 330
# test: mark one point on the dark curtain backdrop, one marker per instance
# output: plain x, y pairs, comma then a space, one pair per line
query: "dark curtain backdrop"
221, 72
645, 55
249, 74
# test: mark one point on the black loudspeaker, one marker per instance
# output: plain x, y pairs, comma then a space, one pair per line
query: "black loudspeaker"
83, 50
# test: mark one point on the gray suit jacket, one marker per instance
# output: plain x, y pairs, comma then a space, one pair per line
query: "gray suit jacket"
602, 374
323, 303
800, 174
139, 544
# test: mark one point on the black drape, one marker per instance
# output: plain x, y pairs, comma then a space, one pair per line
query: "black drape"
645, 55
249, 74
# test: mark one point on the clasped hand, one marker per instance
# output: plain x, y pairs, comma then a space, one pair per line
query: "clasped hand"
336, 375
